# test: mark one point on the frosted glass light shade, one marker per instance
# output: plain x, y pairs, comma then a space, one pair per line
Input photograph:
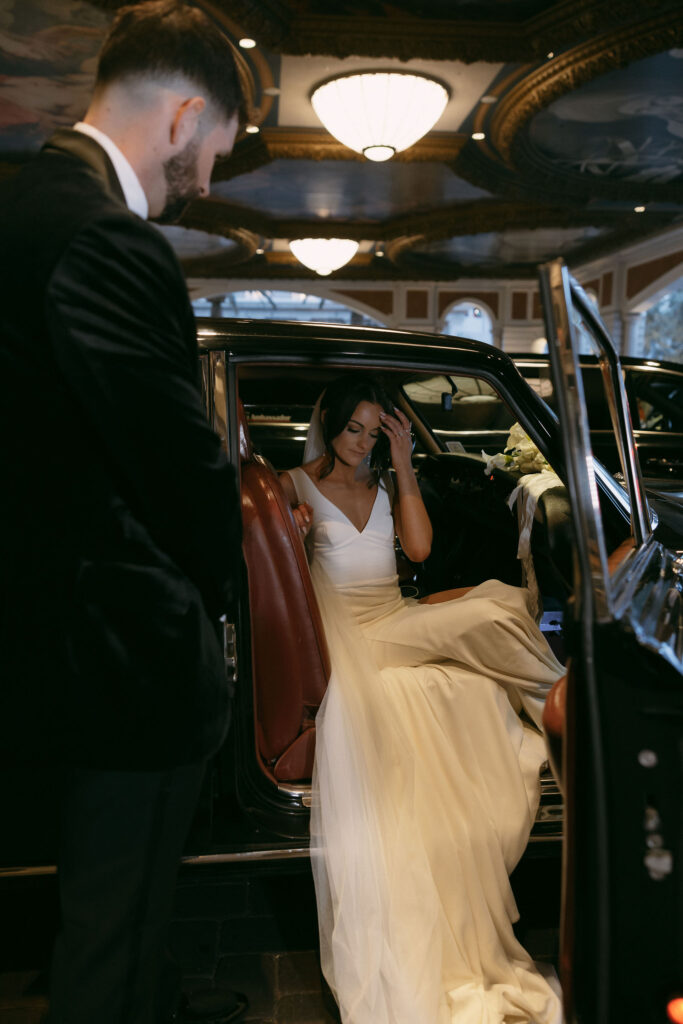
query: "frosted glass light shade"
323, 254
379, 113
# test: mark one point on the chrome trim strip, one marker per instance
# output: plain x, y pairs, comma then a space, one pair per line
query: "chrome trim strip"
301, 789
30, 872
581, 482
236, 857
619, 410
246, 856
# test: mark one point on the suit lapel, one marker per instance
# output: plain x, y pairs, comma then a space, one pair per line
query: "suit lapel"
85, 148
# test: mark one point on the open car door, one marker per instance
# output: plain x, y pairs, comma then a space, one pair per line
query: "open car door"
622, 921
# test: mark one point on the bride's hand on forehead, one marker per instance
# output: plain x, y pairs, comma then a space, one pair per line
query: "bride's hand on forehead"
397, 429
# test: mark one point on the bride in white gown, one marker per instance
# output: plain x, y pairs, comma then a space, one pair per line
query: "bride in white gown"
426, 782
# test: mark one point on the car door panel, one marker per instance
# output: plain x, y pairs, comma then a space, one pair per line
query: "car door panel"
621, 957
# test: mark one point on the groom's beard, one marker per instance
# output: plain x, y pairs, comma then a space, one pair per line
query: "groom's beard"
182, 184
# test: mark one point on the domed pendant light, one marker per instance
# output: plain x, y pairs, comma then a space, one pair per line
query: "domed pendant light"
379, 113
323, 254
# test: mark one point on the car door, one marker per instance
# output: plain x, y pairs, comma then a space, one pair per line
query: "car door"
656, 395
622, 927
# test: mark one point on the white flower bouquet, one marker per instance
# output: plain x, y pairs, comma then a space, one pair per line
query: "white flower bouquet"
520, 455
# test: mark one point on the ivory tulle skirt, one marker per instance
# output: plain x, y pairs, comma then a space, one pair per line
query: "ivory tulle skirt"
425, 790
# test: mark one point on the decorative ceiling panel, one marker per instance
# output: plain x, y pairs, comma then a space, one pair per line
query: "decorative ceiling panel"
48, 53
190, 243
625, 125
491, 248
577, 106
345, 189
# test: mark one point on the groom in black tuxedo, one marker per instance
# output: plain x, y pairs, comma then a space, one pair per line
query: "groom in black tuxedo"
119, 528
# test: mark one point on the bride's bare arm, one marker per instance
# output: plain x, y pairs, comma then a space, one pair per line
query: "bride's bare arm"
301, 510
410, 515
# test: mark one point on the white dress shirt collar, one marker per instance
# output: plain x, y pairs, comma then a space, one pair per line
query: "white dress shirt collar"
133, 192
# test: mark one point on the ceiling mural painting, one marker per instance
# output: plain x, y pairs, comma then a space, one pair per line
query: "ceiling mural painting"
515, 248
562, 135
626, 125
48, 53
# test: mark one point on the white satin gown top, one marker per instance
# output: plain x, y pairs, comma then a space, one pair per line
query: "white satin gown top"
349, 557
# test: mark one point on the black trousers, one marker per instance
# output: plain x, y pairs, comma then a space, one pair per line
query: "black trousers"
122, 834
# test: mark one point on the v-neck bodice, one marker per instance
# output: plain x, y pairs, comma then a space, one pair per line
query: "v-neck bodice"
348, 555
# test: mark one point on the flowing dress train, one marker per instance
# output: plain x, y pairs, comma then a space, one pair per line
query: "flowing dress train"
425, 786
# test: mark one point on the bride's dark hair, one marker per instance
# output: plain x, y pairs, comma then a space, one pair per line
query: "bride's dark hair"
341, 397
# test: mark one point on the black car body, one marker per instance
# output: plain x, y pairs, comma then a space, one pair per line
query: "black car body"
654, 391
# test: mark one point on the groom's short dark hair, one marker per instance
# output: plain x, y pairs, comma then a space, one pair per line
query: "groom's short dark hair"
162, 38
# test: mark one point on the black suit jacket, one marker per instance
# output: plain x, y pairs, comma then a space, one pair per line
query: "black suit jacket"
119, 526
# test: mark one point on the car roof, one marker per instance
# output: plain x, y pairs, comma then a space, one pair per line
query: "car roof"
641, 362
300, 338
291, 340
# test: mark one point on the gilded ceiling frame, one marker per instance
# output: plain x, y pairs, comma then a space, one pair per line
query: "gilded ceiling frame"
509, 159
455, 38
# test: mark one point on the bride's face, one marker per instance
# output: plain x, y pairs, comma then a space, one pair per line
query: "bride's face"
360, 434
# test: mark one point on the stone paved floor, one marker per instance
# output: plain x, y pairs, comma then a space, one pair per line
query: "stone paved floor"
282, 988
256, 934
254, 931
21, 1001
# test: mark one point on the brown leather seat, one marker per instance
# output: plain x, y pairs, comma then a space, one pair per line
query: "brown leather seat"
290, 659
555, 708
554, 726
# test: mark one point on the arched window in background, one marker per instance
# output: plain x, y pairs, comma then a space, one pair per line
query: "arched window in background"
281, 305
663, 333
468, 320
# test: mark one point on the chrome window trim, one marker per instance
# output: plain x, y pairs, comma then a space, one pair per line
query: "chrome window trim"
581, 475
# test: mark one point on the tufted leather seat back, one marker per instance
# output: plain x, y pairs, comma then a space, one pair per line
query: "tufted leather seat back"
290, 659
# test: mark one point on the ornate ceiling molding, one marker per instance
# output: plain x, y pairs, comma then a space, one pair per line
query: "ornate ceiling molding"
256, 72
402, 236
246, 243
480, 216
576, 67
316, 144
400, 265
267, 20
510, 165
455, 37
366, 269
488, 36
576, 20
217, 217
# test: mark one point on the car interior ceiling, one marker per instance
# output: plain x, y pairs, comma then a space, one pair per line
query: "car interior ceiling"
475, 533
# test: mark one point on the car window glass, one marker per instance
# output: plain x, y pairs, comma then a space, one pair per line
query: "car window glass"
616, 532
278, 406
537, 376
460, 410
659, 401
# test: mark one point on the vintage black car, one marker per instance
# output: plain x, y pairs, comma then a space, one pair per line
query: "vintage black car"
477, 419
607, 568
654, 391
612, 592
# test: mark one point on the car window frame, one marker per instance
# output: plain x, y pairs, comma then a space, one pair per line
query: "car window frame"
561, 294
